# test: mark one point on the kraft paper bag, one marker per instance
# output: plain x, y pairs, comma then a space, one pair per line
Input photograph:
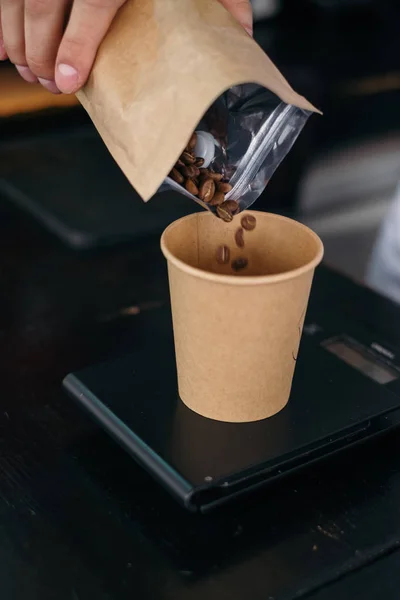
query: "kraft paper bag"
161, 66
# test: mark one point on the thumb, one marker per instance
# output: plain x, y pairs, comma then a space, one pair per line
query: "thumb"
241, 10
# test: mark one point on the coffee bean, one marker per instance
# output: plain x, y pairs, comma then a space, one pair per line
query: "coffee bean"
239, 264
187, 158
189, 171
192, 142
191, 187
215, 176
207, 190
224, 187
224, 213
233, 206
239, 238
227, 210
218, 199
249, 222
223, 255
176, 176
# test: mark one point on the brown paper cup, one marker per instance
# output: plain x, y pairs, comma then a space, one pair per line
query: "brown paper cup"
237, 335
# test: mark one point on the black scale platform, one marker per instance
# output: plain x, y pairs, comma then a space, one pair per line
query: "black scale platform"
346, 389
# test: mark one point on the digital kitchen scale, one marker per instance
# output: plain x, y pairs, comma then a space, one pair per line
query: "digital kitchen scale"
346, 389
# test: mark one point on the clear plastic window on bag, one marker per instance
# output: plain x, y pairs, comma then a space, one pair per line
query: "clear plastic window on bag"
244, 136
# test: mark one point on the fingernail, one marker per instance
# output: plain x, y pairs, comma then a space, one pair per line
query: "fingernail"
68, 78
249, 30
49, 85
26, 74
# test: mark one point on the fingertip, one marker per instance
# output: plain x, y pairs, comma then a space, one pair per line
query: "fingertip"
26, 74
49, 85
67, 78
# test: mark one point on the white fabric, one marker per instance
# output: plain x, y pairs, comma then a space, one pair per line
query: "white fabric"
384, 270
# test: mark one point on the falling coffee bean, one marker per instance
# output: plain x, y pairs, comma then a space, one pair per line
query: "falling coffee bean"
249, 222
176, 176
239, 264
239, 239
187, 158
218, 199
207, 190
191, 187
223, 255
204, 172
224, 187
199, 162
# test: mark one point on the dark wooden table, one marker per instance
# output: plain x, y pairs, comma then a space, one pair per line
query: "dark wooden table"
80, 521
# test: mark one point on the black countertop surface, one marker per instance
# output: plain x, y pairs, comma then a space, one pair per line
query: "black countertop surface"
79, 520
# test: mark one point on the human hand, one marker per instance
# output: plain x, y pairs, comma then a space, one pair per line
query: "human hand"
34, 37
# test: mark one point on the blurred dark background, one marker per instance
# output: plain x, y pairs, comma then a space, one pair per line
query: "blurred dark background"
340, 178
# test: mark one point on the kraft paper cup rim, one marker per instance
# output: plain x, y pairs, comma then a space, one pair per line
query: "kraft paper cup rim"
250, 279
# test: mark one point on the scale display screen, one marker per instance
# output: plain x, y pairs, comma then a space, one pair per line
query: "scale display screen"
358, 357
